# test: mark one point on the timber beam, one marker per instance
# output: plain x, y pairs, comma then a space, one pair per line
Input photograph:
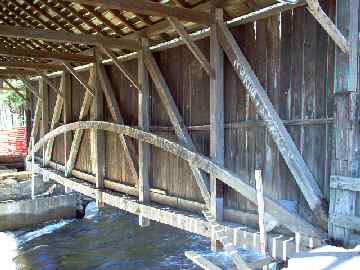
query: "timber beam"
291, 155
290, 220
315, 9
78, 58
31, 66
152, 9
16, 90
73, 72
62, 36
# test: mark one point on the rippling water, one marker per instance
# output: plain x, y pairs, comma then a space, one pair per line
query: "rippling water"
106, 239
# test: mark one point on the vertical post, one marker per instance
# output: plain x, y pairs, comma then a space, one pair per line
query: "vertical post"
98, 137
44, 92
346, 130
144, 124
67, 116
216, 122
261, 210
32, 142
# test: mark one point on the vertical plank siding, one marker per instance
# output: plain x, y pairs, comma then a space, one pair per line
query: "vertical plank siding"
293, 59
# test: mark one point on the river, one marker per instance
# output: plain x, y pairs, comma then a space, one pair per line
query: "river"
106, 239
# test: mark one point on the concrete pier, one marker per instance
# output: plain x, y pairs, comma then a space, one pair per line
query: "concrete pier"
18, 214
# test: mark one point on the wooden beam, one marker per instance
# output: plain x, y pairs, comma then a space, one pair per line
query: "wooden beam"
36, 122
347, 222
77, 58
261, 211
144, 124
316, 10
77, 77
216, 123
62, 36
152, 9
54, 121
176, 119
29, 86
75, 144
44, 92
129, 150
29, 65
192, 46
98, 139
15, 72
229, 247
343, 182
67, 114
201, 261
281, 137
121, 67
290, 220
343, 202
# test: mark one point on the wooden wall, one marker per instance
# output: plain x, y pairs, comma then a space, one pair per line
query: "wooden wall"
293, 58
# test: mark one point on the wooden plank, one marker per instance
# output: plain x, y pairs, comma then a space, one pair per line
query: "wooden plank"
54, 121
216, 124
62, 36
343, 182
201, 261
39, 54
144, 124
75, 144
315, 9
45, 114
292, 221
98, 139
226, 242
128, 148
88, 88
36, 120
152, 9
121, 67
348, 222
286, 146
192, 46
261, 211
29, 65
176, 119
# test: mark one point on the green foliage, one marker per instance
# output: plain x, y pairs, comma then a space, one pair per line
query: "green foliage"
15, 103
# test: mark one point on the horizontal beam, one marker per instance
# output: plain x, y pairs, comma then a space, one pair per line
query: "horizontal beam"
62, 36
343, 182
292, 221
29, 65
347, 222
152, 9
14, 71
47, 55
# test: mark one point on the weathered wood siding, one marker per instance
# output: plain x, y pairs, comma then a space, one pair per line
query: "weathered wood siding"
293, 58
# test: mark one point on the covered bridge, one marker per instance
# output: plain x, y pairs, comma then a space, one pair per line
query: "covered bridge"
199, 106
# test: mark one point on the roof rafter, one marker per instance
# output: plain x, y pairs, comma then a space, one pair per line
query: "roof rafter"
62, 36
152, 9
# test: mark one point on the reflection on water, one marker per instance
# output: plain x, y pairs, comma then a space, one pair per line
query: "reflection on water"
106, 239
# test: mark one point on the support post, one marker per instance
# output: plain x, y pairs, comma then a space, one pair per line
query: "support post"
144, 124
216, 124
32, 142
67, 115
261, 211
98, 139
346, 130
44, 93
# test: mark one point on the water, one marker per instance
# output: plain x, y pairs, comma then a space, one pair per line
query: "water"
106, 239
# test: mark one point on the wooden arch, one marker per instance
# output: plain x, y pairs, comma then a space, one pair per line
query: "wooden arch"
292, 221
